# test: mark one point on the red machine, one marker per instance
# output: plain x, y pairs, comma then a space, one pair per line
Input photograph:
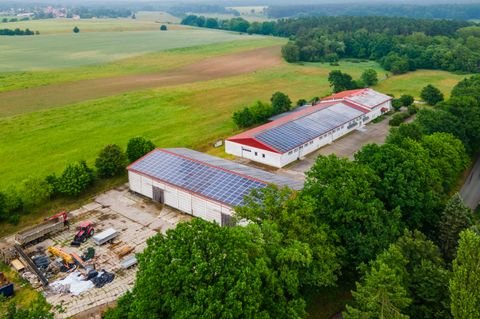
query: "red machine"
85, 231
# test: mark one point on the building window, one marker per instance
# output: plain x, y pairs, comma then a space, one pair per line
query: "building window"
256, 154
290, 153
263, 155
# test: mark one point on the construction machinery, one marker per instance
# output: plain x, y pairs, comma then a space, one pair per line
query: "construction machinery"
85, 231
67, 258
49, 226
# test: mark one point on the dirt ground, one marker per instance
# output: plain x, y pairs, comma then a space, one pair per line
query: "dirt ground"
68, 93
136, 219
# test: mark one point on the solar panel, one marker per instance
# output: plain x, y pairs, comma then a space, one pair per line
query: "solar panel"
212, 182
293, 134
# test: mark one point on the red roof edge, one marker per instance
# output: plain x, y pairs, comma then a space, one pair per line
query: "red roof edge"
253, 143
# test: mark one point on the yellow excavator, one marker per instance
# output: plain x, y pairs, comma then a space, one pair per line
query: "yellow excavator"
67, 258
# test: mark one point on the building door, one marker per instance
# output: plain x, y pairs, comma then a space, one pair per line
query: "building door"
158, 195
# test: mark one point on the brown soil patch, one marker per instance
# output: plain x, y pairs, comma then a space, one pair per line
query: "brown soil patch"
28, 100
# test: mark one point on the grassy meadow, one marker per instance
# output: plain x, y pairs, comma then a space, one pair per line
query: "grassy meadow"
57, 51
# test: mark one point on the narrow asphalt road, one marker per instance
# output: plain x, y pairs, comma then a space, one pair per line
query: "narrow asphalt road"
471, 189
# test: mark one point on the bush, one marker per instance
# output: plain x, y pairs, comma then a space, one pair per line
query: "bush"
397, 104
137, 147
412, 109
431, 95
301, 102
35, 191
407, 100
369, 77
111, 161
280, 103
398, 119
163, 28
76, 178
76, 30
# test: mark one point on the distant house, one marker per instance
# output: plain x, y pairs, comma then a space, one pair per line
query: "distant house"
298, 133
199, 184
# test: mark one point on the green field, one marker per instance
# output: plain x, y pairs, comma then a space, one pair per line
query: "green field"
145, 22
71, 50
193, 115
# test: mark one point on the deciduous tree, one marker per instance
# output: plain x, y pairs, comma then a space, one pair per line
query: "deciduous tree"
280, 103
76, 178
137, 147
465, 280
369, 77
431, 95
111, 161
456, 217
344, 194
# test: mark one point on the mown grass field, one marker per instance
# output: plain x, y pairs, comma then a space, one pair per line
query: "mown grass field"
56, 51
147, 63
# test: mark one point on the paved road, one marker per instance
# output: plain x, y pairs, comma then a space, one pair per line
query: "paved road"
471, 189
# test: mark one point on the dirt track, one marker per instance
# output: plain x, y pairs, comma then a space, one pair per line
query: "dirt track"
27, 100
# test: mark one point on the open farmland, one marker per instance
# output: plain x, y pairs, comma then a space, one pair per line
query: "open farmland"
78, 131
145, 22
71, 50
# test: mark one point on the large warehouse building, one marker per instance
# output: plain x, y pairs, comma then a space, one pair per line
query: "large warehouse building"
199, 184
298, 133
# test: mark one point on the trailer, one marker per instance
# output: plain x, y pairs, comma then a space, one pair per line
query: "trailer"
51, 225
105, 236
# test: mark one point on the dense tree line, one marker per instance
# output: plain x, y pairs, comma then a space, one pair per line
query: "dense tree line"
457, 11
17, 31
75, 179
399, 44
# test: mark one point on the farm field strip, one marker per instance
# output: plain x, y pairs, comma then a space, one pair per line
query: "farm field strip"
145, 64
46, 52
34, 99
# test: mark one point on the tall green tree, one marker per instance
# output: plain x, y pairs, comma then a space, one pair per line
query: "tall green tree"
35, 191
200, 269
76, 178
465, 280
431, 95
344, 194
340, 81
296, 219
280, 103
407, 180
111, 161
446, 154
137, 147
290, 52
369, 77
381, 294
456, 217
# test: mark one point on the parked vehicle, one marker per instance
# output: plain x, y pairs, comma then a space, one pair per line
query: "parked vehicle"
85, 231
51, 225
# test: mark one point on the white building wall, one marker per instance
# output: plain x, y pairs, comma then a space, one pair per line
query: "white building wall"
180, 199
253, 153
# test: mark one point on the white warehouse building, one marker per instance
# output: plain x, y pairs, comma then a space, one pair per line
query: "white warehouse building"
199, 184
297, 133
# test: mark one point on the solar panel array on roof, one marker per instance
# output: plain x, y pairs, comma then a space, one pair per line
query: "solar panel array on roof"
293, 134
215, 183
369, 98
262, 175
